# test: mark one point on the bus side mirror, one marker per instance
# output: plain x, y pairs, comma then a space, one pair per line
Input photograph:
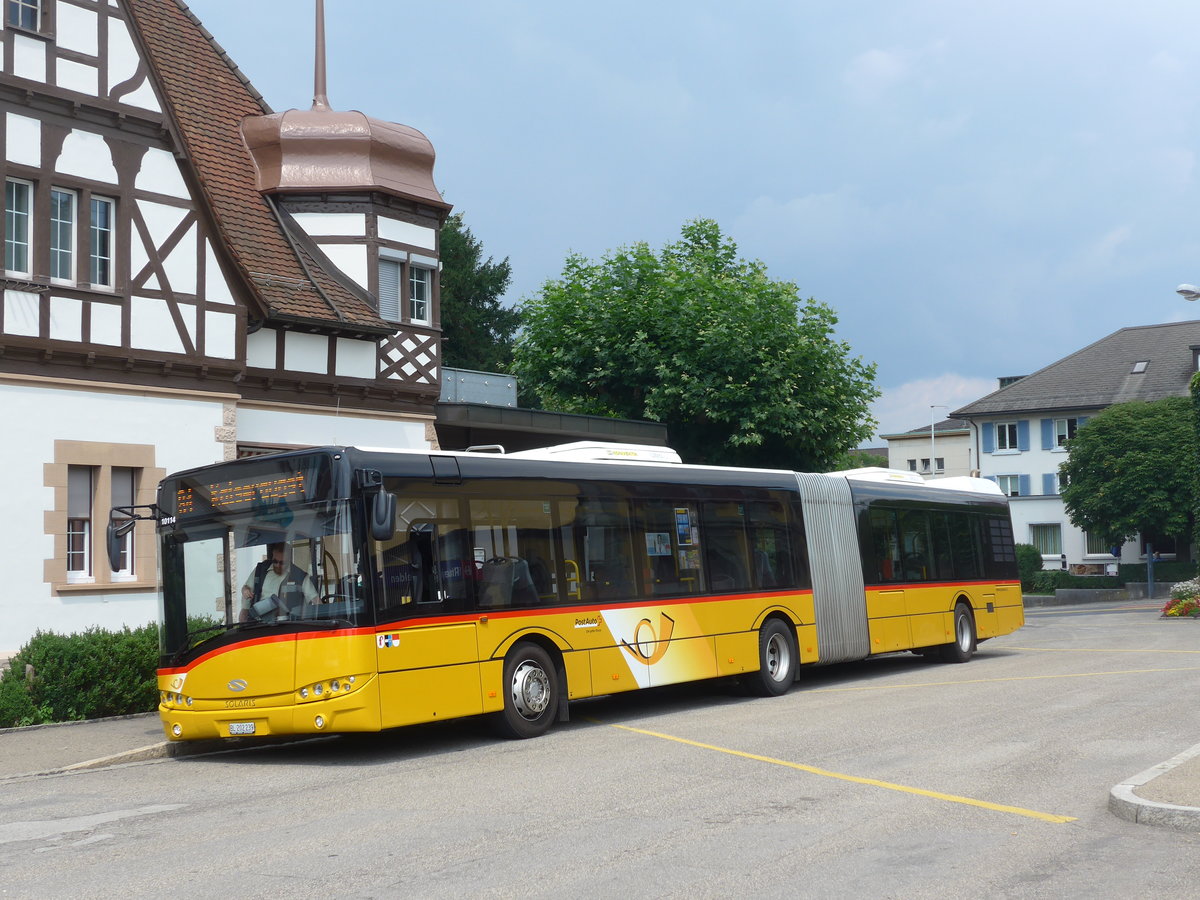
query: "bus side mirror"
112, 538
383, 516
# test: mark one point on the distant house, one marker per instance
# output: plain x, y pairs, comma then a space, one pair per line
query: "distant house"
1019, 432
947, 452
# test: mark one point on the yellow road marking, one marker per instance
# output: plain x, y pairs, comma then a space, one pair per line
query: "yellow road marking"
1063, 611
936, 795
888, 687
1093, 650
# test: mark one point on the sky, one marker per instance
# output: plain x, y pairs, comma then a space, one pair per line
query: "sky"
977, 189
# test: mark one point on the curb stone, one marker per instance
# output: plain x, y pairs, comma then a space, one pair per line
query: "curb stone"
1125, 804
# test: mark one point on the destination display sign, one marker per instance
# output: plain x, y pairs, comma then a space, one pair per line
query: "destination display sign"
264, 490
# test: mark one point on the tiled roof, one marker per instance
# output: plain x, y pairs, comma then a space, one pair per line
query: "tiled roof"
207, 97
948, 426
1101, 374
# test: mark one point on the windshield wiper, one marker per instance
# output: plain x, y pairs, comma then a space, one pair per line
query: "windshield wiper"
194, 633
327, 623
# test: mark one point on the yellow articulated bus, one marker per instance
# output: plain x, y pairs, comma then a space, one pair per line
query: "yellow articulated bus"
341, 589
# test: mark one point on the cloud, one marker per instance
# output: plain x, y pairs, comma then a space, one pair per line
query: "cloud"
872, 74
913, 404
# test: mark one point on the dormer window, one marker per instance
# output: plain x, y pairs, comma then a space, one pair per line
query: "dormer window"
419, 283
417, 304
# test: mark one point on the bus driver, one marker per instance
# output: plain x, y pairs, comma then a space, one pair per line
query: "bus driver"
278, 582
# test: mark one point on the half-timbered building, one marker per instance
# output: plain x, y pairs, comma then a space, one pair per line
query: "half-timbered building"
188, 276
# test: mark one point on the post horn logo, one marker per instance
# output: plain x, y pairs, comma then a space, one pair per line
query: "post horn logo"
648, 647
237, 685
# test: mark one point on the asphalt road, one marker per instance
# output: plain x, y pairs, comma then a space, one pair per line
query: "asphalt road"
890, 778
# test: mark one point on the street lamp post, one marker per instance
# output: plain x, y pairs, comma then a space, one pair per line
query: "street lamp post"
1188, 292
932, 439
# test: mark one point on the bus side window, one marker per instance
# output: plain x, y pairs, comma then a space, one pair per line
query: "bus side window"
885, 547
999, 550
421, 565
515, 552
914, 536
964, 545
669, 548
726, 554
770, 552
600, 542
943, 553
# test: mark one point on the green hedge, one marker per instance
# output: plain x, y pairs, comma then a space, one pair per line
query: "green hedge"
1165, 572
81, 676
1048, 581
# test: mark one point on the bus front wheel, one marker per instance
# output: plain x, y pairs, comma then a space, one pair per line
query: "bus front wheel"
777, 658
530, 692
962, 647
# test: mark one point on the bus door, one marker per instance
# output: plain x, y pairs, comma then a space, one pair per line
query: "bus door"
425, 640
897, 566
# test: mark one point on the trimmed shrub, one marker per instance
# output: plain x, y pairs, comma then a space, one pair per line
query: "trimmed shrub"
1050, 580
87, 675
1029, 563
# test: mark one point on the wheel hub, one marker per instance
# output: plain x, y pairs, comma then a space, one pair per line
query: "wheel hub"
530, 690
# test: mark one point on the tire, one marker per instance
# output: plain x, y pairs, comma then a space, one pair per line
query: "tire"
531, 693
962, 648
777, 659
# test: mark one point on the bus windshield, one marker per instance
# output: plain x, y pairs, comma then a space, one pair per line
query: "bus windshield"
249, 570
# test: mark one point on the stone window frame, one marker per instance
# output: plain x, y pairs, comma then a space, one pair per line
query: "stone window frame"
102, 458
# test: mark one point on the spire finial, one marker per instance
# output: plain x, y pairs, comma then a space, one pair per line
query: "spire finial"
320, 98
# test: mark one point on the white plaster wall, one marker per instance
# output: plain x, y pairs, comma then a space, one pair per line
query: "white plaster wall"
86, 155
66, 319
356, 359
216, 288
106, 324
182, 430
159, 174
80, 77
123, 64
351, 259
264, 426
23, 140
160, 219
180, 266
406, 233
75, 29
220, 334
260, 348
151, 326
21, 313
324, 224
306, 352
29, 57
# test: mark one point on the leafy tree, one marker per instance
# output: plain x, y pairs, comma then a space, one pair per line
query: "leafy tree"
1132, 468
739, 369
858, 459
477, 331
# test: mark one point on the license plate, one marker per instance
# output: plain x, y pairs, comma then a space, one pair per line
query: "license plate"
241, 728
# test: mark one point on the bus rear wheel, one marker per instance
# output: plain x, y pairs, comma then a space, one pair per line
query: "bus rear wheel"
962, 647
531, 692
777, 659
